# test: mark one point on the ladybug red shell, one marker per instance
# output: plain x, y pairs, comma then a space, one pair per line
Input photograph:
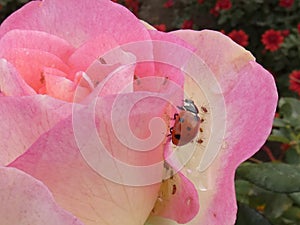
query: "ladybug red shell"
187, 124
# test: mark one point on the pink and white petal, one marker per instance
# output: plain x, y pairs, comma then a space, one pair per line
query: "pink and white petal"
25, 200
221, 58
64, 89
246, 131
90, 51
81, 190
111, 74
244, 83
77, 23
24, 119
30, 63
178, 200
11, 83
42, 41
170, 54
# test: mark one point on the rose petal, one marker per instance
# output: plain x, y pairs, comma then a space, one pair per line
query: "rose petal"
88, 20
91, 50
62, 88
18, 114
221, 59
25, 200
11, 84
55, 160
30, 39
245, 84
178, 200
244, 136
30, 63
166, 62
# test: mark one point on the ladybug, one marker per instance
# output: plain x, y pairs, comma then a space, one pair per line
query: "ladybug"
186, 125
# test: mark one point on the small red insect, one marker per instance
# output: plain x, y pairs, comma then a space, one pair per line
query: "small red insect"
186, 125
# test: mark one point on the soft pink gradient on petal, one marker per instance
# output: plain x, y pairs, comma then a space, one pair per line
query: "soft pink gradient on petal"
91, 50
167, 63
180, 201
247, 129
55, 160
25, 200
88, 20
221, 58
11, 83
31, 62
36, 40
250, 98
63, 88
24, 119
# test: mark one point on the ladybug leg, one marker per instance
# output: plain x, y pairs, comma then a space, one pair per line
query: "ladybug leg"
175, 116
171, 130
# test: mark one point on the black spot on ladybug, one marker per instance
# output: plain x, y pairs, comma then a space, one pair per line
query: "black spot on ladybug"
177, 136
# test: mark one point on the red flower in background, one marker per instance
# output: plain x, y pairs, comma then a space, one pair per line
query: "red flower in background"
200, 1
223, 4
286, 3
169, 4
161, 27
298, 27
214, 12
285, 33
295, 81
187, 24
240, 37
272, 39
133, 6
220, 5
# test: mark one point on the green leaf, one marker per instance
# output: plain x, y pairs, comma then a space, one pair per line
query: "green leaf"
277, 204
292, 157
243, 189
293, 214
249, 216
278, 177
295, 197
279, 139
290, 108
279, 122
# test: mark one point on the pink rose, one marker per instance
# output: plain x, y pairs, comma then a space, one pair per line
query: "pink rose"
88, 93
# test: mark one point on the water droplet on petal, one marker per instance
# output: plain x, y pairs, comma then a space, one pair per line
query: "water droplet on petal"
188, 201
189, 171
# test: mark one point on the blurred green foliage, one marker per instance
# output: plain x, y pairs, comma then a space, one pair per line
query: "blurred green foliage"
9, 6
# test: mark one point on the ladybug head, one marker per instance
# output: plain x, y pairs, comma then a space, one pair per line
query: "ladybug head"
189, 105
